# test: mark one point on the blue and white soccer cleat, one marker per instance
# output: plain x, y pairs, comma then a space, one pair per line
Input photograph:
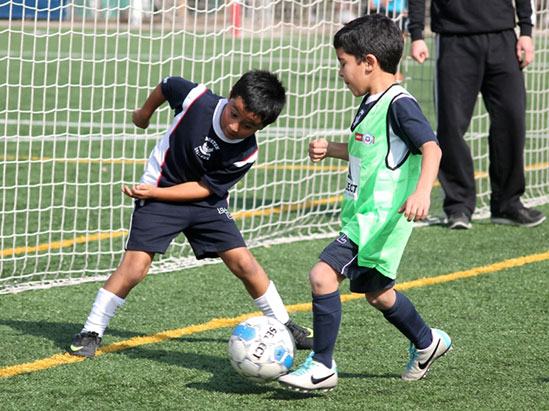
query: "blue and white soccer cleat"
311, 375
421, 360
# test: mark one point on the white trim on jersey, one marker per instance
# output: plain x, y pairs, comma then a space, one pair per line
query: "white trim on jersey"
250, 160
398, 150
153, 171
533, 17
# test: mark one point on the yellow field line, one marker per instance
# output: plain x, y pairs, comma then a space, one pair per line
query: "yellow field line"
61, 244
60, 359
289, 207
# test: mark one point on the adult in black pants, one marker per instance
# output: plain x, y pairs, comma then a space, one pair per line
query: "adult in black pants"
478, 51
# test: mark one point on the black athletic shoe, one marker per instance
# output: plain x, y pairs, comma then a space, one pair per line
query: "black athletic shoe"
523, 217
85, 344
303, 336
459, 222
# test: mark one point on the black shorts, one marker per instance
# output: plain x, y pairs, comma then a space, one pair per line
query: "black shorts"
208, 230
342, 255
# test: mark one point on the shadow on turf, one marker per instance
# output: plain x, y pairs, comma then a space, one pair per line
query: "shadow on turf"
223, 377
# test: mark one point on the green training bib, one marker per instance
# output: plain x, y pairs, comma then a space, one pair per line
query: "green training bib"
383, 173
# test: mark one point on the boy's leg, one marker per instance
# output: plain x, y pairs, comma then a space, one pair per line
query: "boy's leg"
132, 269
426, 344
319, 371
326, 311
399, 311
243, 264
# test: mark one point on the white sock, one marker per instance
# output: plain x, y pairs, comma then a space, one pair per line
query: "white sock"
271, 304
103, 309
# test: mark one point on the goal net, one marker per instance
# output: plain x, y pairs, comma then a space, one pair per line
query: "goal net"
74, 70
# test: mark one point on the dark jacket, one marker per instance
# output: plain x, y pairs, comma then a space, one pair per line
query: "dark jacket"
471, 16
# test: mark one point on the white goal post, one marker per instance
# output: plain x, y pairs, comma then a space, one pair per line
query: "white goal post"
72, 71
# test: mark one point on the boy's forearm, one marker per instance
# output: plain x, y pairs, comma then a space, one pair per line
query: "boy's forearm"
155, 99
338, 150
191, 191
142, 115
430, 161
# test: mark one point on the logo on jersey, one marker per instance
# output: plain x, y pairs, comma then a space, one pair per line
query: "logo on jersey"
205, 150
342, 239
223, 210
367, 138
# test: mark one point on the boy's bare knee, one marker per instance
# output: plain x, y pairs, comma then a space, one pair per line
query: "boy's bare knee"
133, 268
382, 300
241, 262
372, 299
324, 279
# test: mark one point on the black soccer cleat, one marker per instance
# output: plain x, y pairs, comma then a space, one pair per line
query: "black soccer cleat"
85, 344
303, 336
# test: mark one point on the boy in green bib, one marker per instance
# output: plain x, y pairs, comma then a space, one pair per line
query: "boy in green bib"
393, 158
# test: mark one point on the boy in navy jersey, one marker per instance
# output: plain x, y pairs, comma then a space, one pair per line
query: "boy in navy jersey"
207, 150
393, 160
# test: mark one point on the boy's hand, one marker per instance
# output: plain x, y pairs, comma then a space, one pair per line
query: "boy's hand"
416, 206
318, 149
139, 119
141, 191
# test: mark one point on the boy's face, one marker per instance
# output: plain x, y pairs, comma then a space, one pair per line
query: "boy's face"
237, 122
353, 73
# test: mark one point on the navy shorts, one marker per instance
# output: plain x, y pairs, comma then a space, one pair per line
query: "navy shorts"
209, 230
342, 255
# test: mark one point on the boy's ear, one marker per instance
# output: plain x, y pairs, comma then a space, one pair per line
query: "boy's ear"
370, 62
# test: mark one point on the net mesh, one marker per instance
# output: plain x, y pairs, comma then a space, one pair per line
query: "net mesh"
75, 70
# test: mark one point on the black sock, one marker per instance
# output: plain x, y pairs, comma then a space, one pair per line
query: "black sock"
404, 316
326, 320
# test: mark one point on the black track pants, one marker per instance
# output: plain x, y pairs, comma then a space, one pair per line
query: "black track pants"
467, 65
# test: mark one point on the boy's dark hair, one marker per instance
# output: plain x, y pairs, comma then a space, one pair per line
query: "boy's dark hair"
374, 34
262, 94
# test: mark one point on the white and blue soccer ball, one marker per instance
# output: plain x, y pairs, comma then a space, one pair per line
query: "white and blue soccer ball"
261, 349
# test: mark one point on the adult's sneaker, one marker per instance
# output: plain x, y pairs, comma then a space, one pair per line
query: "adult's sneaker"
523, 217
421, 360
85, 344
311, 375
459, 221
303, 336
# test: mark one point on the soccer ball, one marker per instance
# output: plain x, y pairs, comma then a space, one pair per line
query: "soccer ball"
261, 349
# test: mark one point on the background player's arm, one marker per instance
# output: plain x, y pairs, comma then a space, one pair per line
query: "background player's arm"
417, 205
190, 191
321, 148
141, 116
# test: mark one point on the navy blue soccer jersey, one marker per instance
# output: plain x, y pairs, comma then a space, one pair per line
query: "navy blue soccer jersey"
195, 148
